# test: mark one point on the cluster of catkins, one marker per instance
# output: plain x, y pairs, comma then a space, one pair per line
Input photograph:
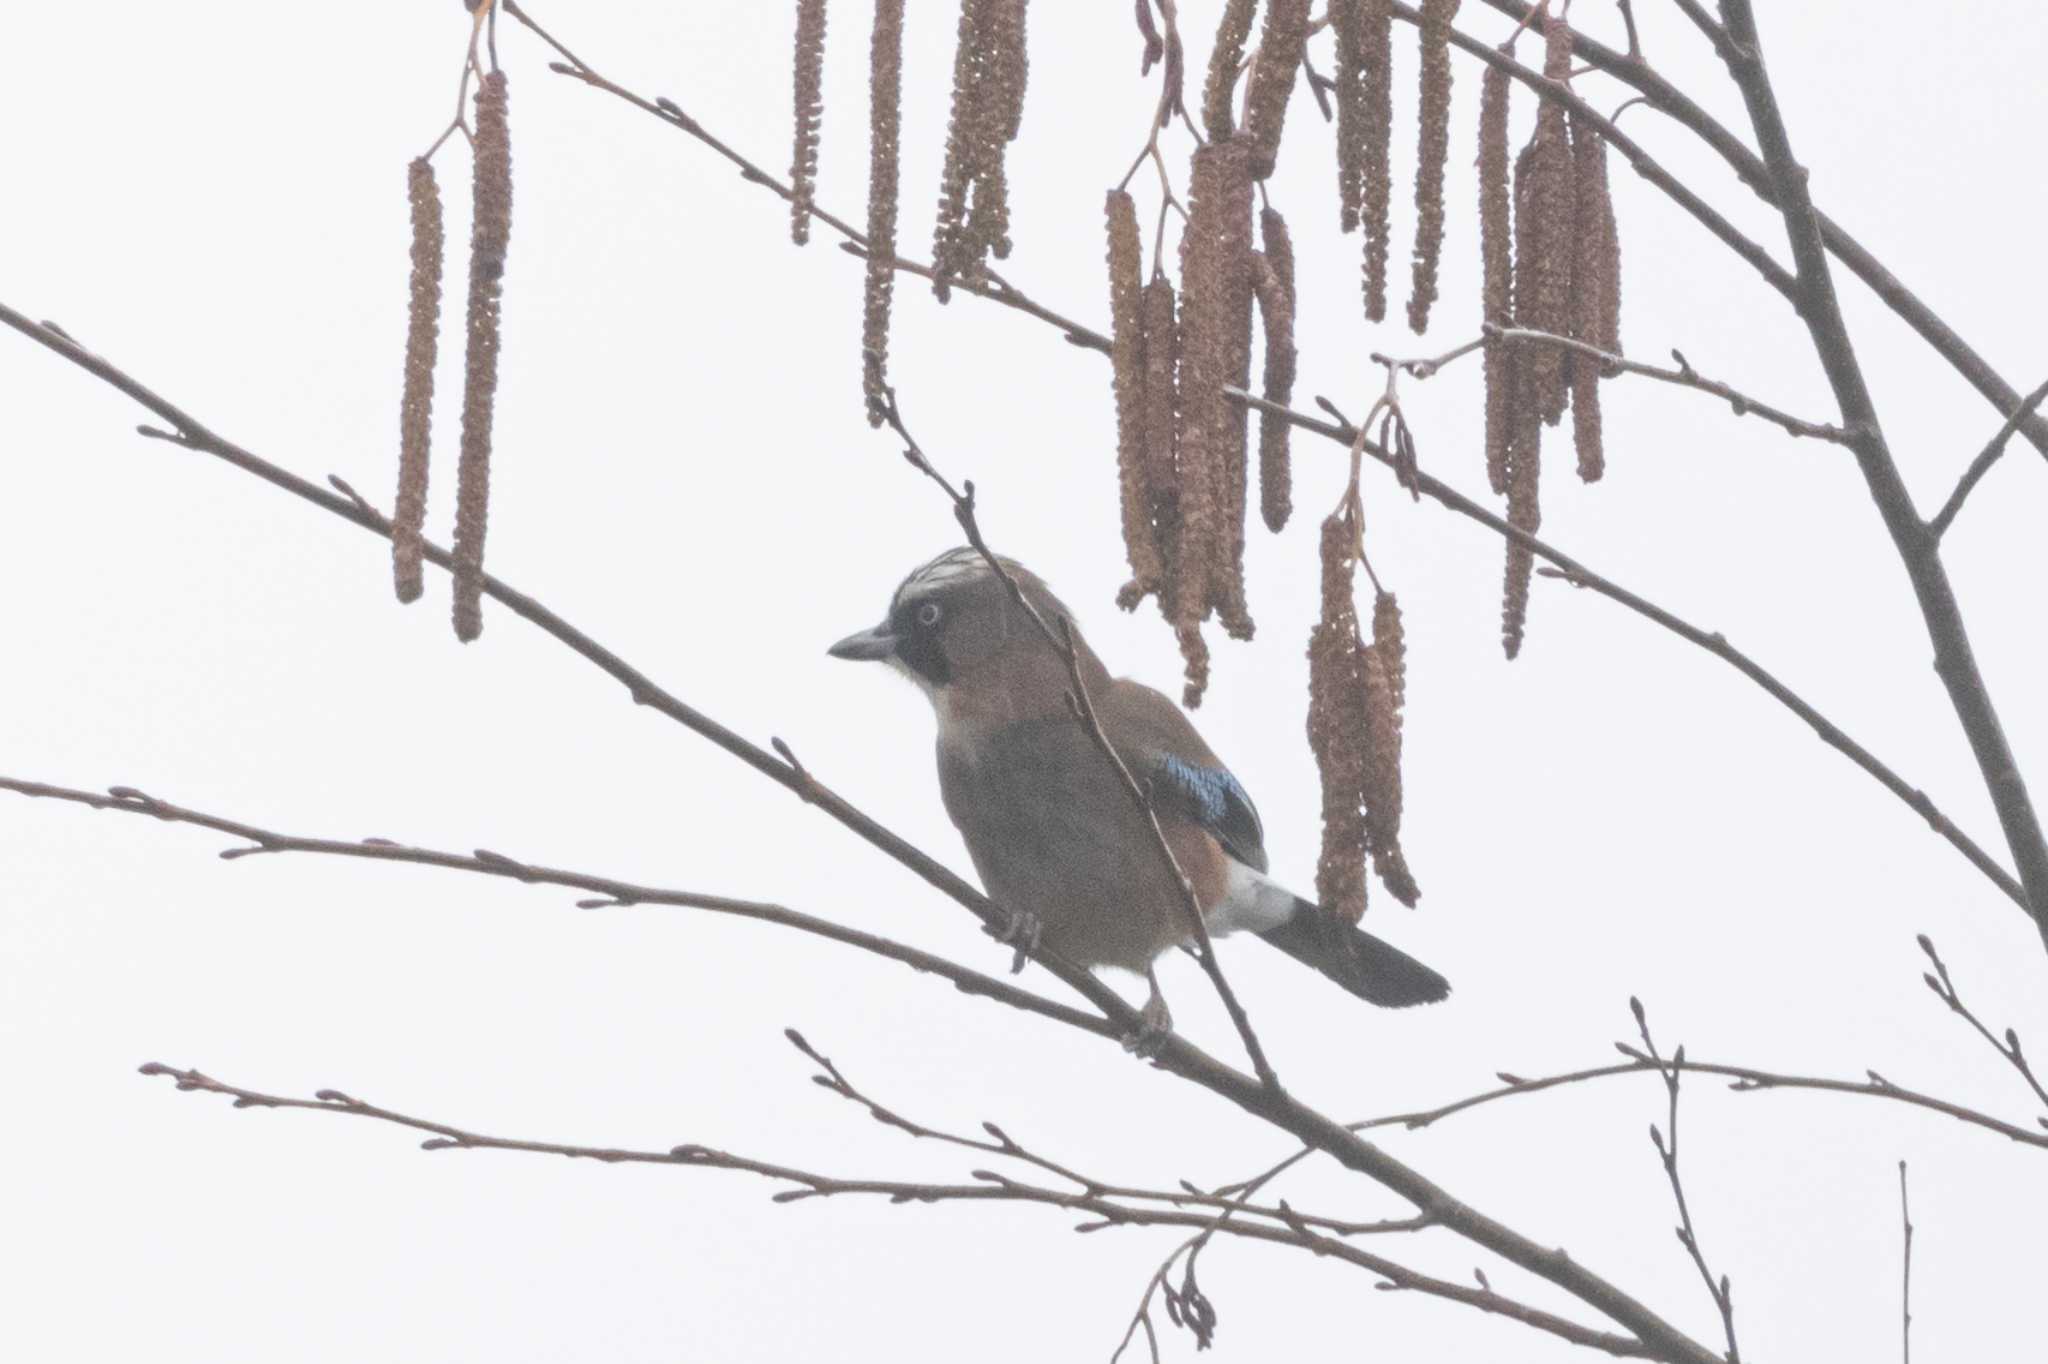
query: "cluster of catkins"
1182, 444
490, 234
1552, 264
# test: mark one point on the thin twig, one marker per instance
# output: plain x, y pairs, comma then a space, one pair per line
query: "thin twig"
1905, 1273
1685, 376
2008, 1049
1713, 642
1981, 465
1667, 1151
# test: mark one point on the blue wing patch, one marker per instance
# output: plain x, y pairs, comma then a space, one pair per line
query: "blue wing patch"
1211, 798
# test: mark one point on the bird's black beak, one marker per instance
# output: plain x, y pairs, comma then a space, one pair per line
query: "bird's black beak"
866, 645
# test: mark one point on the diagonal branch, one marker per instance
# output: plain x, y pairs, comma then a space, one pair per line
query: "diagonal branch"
1713, 642
1175, 1054
1954, 660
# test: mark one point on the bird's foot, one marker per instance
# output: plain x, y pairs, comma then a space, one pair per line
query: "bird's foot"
1020, 932
1155, 1025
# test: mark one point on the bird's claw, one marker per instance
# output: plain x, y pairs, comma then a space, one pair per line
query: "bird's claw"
1155, 1026
1020, 932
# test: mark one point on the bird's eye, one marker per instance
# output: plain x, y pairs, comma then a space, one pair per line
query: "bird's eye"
928, 614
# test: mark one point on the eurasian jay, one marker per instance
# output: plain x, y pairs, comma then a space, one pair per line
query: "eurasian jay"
1056, 842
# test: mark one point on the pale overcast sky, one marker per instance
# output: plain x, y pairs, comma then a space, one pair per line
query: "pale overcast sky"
212, 196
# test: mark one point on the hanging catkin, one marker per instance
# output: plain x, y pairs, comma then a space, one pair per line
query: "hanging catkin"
1282, 42
1543, 264
1496, 249
810, 108
1127, 359
885, 124
1596, 287
1337, 733
416, 406
1276, 314
1224, 59
1433, 150
1386, 687
490, 233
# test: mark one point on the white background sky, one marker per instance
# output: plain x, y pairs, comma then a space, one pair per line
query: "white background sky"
212, 196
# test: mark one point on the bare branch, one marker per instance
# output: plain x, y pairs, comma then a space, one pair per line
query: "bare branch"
1744, 1079
990, 1187
611, 893
1713, 642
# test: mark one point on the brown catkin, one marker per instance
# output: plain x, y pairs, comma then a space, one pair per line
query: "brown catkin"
1127, 361
1282, 42
1524, 513
957, 177
1224, 58
1348, 85
1377, 33
1001, 116
1337, 734
1386, 691
416, 406
990, 68
490, 234
1496, 250
1215, 332
1276, 314
810, 109
1545, 265
1594, 266
1433, 149
885, 127
1160, 418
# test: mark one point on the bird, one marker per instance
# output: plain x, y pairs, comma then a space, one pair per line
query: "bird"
1058, 845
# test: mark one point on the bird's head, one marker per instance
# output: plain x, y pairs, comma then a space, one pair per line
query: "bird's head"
953, 627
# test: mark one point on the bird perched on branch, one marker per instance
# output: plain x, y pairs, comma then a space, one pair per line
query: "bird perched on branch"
1058, 841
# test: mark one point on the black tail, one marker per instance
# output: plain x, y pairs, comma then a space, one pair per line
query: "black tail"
1377, 972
